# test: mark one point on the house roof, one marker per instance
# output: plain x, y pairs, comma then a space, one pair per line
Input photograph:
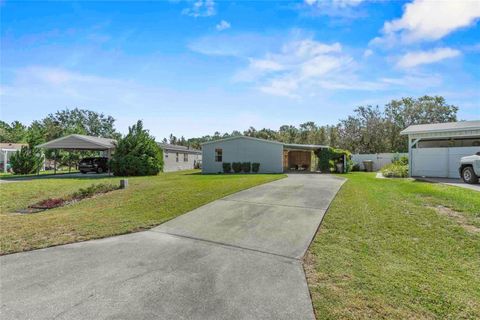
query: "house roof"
442, 127
12, 146
174, 147
241, 137
286, 145
80, 142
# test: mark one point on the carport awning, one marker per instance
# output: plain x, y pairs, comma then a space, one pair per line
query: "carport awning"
80, 142
295, 146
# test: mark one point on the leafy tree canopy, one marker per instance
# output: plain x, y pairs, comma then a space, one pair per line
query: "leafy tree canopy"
137, 154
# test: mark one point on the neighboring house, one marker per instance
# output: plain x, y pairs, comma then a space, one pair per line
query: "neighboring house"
435, 149
6, 151
273, 156
177, 158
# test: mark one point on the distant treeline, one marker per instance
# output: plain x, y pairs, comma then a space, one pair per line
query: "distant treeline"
370, 129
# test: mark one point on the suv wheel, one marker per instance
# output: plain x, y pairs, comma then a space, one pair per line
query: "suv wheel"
469, 176
100, 170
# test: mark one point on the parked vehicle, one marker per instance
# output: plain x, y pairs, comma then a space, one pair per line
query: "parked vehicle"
470, 168
93, 164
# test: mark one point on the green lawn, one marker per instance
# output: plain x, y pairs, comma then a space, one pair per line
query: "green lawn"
147, 202
9, 175
386, 250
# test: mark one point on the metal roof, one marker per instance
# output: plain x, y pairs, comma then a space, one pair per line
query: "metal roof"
80, 142
286, 145
12, 146
442, 127
241, 137
174, 147
304, 146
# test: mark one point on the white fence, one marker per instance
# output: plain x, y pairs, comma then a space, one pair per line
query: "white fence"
379, 159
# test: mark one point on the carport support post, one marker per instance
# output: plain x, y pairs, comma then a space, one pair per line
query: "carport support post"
411, 144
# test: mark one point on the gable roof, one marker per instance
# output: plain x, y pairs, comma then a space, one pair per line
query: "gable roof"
80, 142
442, 127
241, 137
287, 145
12, 146
174, 147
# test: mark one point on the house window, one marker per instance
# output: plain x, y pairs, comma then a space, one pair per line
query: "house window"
218, 155
176, 158
185, 157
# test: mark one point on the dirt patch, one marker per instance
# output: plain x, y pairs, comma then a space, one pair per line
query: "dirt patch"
458, 217
309, 267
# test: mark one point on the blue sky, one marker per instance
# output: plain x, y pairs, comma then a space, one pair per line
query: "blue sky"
195, 67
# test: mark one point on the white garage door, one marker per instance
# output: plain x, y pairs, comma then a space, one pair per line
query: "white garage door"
439, 162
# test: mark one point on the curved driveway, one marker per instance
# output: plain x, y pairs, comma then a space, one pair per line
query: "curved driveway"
236, 258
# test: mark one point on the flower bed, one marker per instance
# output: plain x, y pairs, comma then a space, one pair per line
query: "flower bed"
81, 194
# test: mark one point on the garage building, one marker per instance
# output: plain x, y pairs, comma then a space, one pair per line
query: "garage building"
435, 149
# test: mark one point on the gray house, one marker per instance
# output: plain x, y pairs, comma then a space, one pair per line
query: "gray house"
273, 156
177, 158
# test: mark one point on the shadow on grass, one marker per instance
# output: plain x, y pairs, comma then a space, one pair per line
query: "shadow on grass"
75, 175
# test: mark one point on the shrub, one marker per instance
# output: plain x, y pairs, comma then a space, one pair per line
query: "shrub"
328, 157
246, 167
356, 167
227, 167
395, 170
403, 160
93, 190
137, 154
255, 167
27, 160
237, 167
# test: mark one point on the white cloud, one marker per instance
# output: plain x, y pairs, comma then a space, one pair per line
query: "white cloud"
412, 59
367, 53
424, 20
201, 8
299, 65
223, 25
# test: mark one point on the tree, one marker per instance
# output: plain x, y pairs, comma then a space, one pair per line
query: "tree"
26, 160
79, 121
137, 154
364, 132
14, 133
409, 111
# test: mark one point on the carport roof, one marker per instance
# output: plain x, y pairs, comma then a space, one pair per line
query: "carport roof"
80, 142
304, 146
442, 127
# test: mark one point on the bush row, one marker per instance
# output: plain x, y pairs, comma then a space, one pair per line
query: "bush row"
238, 167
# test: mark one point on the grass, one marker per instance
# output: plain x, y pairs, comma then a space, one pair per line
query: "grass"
386, 251
147, 202
9, 175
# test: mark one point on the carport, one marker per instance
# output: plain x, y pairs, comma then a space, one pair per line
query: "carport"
435, 149
78, 142
300, 157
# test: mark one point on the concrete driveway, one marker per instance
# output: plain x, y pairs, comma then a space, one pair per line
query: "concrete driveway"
235, 258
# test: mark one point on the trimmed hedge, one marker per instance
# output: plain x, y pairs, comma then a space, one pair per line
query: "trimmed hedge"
255, 167
246, 167
237, 167
227, 167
